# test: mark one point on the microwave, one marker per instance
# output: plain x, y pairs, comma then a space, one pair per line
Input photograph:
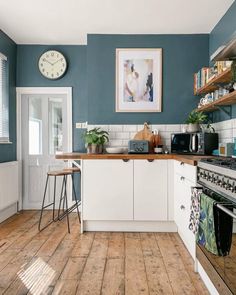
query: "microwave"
199, 143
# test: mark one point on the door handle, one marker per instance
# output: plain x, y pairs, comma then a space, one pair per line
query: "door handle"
182, 178
182, 207
125, 160
150, 160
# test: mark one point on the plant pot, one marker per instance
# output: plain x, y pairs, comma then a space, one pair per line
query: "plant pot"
92, 148
99, 148
193, 127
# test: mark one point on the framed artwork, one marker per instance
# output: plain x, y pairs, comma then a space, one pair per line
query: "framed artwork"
138, 80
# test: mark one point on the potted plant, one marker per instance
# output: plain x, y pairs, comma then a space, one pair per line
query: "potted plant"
194, 120
95, 140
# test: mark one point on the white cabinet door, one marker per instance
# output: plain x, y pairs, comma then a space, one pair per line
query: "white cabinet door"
150, 190
107, 190
182, 211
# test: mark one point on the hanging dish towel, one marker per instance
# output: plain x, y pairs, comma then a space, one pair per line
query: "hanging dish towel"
215, 226
206, 231
195, 209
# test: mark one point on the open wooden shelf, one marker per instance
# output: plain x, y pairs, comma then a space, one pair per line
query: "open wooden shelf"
212, 85
226, 100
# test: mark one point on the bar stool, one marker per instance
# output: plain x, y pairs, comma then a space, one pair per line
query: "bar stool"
63, 196
74, 170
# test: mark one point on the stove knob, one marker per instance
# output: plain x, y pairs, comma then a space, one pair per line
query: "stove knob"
233, 188
228, 187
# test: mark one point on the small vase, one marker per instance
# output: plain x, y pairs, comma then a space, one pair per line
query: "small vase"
100, 149
193, 127
92, 148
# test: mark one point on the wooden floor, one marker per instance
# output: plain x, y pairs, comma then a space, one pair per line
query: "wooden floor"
55, 262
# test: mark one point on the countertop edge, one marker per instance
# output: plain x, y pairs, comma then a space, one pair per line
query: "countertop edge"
187, 159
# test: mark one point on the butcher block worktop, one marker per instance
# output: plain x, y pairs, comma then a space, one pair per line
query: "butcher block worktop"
188, 159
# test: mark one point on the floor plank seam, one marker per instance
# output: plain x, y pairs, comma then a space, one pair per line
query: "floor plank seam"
76, 292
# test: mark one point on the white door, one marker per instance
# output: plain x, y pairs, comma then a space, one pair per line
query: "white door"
150, 190
44, 131
107, 190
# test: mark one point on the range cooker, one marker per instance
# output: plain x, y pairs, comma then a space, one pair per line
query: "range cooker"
218, 176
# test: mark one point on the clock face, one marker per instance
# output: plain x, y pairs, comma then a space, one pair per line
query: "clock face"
52, 64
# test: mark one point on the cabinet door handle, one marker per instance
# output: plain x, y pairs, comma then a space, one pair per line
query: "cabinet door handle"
181, 163
150, 160
125, 160
182, 178
182, 207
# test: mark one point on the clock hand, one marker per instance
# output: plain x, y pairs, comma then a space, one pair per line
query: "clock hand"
48, 62
56, 62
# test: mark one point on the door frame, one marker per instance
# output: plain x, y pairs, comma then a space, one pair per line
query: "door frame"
20, 91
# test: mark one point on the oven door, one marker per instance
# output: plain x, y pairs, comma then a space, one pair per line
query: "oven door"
221, 269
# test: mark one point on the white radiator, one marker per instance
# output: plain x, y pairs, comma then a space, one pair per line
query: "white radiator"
9, 184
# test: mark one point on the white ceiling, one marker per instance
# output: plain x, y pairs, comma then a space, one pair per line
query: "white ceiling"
69, 21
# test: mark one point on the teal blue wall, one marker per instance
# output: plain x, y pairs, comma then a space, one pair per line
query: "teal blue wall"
223, 32
28, 75
182, 56
8, 48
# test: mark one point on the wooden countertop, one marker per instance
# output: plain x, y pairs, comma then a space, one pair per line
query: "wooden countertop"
188, 159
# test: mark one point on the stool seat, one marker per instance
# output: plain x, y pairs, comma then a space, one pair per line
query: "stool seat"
72, 169
59, 173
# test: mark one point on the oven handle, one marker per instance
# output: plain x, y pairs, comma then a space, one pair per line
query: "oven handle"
230, 213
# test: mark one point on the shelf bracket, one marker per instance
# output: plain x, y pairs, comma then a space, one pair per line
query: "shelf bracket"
225, 109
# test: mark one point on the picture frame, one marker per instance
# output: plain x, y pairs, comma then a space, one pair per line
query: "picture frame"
138, 79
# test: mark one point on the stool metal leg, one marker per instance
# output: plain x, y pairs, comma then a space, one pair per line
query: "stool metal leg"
54, 199
61, 197
77, 202
43, 207
66, 201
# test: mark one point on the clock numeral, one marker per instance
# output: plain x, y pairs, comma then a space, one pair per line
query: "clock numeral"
47, 73
41, 65
52, 75
52, 54
43, 70
63, 65
57, 74
61, 70
47, 56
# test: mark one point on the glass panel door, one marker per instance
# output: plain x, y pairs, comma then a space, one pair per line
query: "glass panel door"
55, 125
35, 126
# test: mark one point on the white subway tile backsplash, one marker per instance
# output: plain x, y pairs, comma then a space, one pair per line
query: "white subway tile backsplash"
122, 135
115, 143
115, 128
132, 135
173, 128
130, 128
119, 135
159, 127
226, 124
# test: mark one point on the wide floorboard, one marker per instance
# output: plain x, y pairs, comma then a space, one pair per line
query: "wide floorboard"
55, 262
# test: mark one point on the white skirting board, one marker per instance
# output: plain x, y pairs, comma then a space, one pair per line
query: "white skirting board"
8, 212
9, 189
211, 288
130, 226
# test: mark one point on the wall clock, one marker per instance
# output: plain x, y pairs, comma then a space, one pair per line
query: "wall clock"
52, 64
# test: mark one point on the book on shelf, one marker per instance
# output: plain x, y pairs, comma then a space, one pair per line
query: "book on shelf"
206, 74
